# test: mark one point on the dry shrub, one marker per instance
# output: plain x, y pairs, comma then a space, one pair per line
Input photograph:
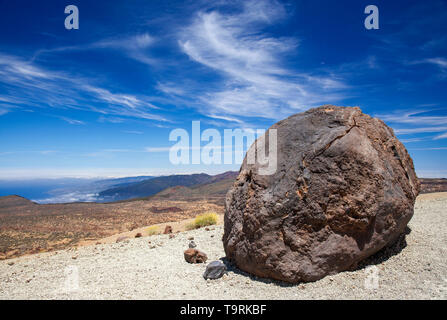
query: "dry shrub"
202, 220
152, 230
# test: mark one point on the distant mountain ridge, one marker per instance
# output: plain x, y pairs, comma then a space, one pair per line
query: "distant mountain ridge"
153, 186
429, 185
215, 190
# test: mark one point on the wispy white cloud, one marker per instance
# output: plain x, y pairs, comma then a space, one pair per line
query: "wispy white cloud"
256, 81
110, 152
420, 130
72, 121
42, 152
30, 85
161, 149
414, 117
133, 46
411, 140
139, 41
423, 125
438, 61
130, 101
441, 136
111, 119
428, 149
431, 173
170, 89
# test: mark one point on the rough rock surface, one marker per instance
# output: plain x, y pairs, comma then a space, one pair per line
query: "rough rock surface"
214, 270
195, 256
344, 188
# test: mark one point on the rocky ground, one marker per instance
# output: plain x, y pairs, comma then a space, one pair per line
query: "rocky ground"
154, 268
27, 227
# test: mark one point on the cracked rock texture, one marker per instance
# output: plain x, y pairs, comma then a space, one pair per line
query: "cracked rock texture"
344, 188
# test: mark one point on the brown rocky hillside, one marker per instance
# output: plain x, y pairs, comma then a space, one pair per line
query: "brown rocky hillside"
27, 227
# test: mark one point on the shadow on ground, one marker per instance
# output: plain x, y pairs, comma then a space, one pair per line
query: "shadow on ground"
234, 269
381, 256
387, 252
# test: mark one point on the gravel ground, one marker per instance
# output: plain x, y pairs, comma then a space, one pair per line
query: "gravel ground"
414, 268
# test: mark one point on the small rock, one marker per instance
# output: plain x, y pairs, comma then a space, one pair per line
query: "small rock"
212, 236
138, 235
207, 229
194, 256
10, 263
214, 270
191, 238
74, 257
171, 236
192, 244
122, 238
168, 229
152, 247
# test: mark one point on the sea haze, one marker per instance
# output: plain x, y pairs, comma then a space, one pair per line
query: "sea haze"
63, 190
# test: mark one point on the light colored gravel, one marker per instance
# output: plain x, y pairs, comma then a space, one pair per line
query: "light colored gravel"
134, 270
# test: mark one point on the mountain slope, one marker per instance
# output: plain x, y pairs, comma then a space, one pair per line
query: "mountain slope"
217, 189
152, 186
15, 202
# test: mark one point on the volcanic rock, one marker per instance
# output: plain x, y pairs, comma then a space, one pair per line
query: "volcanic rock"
343, 189
192, 244
195, 256
214, 270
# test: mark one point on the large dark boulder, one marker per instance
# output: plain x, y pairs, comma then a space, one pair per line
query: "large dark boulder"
344, 188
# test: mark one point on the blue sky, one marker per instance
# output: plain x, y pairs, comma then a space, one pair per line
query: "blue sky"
102, 100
